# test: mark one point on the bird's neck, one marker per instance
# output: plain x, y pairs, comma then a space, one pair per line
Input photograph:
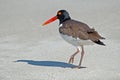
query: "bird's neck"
61, 20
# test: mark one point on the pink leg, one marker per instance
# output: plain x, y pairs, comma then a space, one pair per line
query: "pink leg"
71, 60
82, 54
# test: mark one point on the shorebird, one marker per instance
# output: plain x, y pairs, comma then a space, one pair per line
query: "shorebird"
76, 33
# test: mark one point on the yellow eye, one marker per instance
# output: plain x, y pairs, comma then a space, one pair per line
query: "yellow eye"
59, 13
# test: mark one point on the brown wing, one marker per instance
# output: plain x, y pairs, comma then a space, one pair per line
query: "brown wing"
94, 36
79, 30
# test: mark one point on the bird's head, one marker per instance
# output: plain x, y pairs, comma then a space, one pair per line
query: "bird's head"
62, 15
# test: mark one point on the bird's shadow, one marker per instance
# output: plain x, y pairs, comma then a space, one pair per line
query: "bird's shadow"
49, 63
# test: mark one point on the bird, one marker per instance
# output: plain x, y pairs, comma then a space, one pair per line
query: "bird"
76, 33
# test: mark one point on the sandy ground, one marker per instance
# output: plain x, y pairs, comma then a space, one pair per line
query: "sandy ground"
31, 52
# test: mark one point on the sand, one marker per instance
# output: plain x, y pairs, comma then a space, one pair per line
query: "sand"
29, 51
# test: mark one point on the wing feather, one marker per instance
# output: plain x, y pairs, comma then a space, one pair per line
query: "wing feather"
79, 30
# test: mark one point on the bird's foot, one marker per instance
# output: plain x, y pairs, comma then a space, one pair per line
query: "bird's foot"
71, 60
78, 67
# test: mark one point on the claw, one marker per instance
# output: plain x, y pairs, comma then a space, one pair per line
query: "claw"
76, 67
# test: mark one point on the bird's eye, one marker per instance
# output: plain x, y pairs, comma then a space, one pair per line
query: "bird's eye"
59, 13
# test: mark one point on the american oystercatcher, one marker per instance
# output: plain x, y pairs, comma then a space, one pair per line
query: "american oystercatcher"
76, 33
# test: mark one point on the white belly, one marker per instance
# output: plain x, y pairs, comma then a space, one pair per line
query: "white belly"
76, 41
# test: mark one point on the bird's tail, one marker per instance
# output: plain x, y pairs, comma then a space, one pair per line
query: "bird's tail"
99, 42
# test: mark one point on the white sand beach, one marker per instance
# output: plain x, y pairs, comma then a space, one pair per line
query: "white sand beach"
29, 51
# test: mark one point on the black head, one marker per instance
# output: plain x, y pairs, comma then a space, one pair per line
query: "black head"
63, 15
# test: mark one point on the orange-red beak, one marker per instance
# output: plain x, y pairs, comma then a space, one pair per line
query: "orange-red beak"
50, 20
